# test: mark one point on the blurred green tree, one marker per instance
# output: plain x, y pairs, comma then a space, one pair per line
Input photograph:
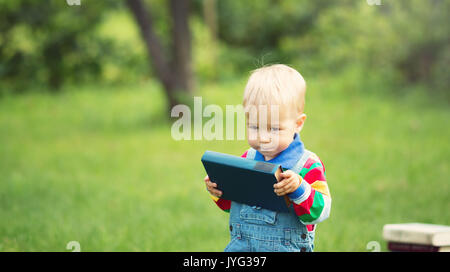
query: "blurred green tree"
255, 30
174, 69
405, 42
50, 43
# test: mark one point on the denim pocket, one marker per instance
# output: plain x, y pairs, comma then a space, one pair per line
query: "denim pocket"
257, 215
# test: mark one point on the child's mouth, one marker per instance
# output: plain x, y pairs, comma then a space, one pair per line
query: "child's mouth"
266, 149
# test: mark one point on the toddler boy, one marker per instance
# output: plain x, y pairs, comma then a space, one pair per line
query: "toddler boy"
280, 91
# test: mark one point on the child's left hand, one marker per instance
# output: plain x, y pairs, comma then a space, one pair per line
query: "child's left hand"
289, 182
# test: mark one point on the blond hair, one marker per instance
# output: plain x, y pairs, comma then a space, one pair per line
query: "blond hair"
276, 84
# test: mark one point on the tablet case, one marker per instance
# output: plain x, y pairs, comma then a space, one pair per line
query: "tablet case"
244, 180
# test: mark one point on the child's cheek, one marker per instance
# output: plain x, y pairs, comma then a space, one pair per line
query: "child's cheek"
252, 141
283, 143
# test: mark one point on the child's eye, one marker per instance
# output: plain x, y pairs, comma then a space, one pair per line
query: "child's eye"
275, 129
253, 127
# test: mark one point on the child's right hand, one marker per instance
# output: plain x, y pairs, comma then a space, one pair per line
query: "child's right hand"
211, 187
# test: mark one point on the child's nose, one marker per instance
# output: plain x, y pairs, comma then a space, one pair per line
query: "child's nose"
264, 137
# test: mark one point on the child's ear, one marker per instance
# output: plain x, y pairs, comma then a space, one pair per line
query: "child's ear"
300, 122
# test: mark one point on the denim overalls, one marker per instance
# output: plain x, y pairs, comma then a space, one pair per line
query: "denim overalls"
258, 229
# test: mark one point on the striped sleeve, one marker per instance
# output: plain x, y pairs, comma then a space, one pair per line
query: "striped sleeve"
314, 203
224, 204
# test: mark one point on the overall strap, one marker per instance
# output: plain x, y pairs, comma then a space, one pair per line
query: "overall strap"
251, 153
301, 162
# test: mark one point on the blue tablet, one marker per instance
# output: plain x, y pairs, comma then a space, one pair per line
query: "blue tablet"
244, 180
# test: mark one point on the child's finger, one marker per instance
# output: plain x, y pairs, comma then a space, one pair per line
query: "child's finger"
280, 192
210, 186
280, 184
287, 174
283, 182
216, 192
286, 187
284, 191
207, 178
289, 188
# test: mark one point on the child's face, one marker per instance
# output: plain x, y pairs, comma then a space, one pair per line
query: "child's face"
279, 133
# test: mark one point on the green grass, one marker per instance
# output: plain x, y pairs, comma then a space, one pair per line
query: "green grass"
98, 165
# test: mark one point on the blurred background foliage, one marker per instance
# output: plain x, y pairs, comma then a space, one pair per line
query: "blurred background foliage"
398, 42
85, 147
